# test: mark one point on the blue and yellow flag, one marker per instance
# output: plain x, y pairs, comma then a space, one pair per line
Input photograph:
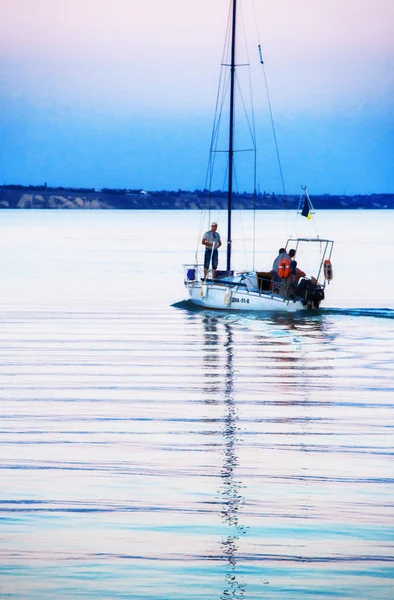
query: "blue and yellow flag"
306, 211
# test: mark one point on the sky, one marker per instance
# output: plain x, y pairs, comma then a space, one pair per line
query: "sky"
121, 93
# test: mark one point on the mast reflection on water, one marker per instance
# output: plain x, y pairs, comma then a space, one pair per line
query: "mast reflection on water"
231, 497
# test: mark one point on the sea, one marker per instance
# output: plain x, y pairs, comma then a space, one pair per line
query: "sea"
149, 450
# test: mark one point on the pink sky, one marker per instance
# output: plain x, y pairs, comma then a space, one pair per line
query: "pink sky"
333, 50
66, 62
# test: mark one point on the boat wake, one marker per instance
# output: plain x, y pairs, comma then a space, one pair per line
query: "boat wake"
379, 313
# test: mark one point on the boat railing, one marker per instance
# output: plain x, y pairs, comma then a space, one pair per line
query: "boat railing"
256, 282
193, 272
326, 247
263, 284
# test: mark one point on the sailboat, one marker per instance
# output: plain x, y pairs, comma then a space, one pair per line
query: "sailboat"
256, 290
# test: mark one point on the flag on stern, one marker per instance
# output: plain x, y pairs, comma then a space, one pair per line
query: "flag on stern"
306, 211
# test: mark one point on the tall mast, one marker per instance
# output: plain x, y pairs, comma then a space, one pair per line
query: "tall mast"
231, 136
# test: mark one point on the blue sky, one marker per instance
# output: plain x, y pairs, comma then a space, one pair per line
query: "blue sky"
121, 94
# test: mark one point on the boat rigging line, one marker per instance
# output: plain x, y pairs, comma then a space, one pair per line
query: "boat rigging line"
272, 123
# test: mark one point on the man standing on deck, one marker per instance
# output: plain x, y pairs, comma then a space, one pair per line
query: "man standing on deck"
211, 241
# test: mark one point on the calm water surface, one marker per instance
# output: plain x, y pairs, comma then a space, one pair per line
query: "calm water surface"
153, 452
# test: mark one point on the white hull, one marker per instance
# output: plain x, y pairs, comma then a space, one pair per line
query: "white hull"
222, 297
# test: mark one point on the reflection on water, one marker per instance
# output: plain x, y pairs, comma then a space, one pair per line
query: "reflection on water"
212, 367
231, 488
231, 497
273, 339
292, 448
157, 453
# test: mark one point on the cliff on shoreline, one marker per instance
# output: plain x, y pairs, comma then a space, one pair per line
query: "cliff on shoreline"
34, 197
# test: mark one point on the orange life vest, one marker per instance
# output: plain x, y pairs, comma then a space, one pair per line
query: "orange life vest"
284, 269
328, 274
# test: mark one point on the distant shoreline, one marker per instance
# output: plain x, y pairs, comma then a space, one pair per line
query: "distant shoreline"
43, 197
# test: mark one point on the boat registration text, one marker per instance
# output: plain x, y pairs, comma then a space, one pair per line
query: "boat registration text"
242, 300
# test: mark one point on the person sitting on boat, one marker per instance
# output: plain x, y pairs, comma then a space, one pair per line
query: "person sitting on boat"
296, 273
281, 255
211, 240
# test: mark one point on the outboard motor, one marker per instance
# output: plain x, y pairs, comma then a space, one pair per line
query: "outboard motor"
317, 295
310, 293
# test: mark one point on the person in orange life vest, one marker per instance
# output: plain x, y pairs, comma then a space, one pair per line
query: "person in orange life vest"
281, 255
296, 273
276, 279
